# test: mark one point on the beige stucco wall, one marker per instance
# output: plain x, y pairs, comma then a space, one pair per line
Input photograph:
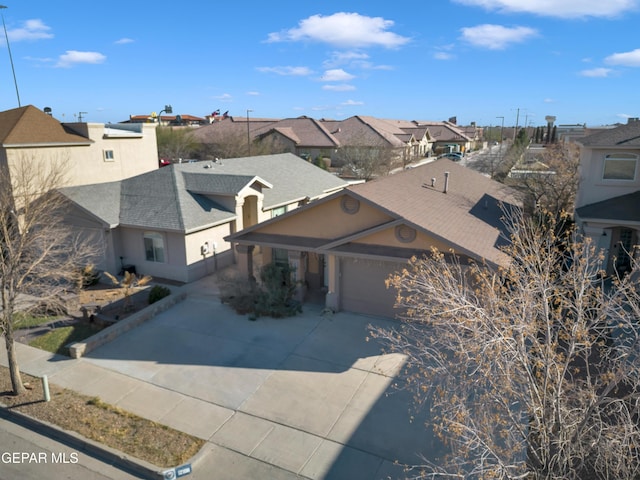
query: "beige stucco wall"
388, 237
328, 220
592, 187
85, 164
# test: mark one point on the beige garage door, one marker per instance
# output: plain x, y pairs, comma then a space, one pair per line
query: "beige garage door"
363, 287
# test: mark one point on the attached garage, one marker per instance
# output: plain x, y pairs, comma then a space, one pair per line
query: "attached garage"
363, 288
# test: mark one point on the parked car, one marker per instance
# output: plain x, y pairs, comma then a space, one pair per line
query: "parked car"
456, 157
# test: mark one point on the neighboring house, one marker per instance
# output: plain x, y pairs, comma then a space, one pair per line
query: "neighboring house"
347, 244
171, 223
172, 120
447, 137
369, 132
608, 200
90, 152
302, 136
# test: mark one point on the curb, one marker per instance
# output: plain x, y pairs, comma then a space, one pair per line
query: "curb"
131, 465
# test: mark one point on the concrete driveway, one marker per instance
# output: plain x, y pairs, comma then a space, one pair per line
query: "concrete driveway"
306, 396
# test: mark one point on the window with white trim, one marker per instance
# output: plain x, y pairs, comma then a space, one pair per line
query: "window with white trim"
154, 247
109, 156
620, 166
276, 212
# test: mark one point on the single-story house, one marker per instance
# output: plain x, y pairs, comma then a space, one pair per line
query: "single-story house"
345, 245
172, 222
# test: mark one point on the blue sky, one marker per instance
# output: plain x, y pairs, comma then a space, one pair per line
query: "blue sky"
474, 59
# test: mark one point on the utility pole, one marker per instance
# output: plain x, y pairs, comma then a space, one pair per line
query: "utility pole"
515, 131
13, 70
248, 134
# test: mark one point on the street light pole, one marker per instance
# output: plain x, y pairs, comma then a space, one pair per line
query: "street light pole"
167, 109
13, 70
248, 134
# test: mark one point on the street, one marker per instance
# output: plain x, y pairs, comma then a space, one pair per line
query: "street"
27, 455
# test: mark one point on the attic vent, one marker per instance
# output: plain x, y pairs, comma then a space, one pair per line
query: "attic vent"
350, 205
405, 234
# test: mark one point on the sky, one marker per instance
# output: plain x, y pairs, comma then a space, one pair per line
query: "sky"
483, 61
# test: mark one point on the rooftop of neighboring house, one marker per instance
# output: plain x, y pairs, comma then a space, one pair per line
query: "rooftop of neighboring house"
627, 135
31, 126
303, 131
181, 197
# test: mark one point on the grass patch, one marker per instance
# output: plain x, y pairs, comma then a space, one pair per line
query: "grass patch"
56, 340
104, 423
28, 320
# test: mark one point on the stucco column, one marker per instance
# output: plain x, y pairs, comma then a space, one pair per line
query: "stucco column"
296, 260
245, 260
333, 288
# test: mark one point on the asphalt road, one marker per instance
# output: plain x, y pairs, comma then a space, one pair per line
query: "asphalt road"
27, 455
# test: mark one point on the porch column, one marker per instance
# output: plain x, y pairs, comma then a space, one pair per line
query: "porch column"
296, 260
245, 260
333, 288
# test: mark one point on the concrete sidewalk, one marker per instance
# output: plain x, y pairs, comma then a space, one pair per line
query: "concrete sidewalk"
306, 396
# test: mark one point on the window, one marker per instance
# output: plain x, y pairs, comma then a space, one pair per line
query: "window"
280, 256
276, 212
620, 166
108, 156
154, 247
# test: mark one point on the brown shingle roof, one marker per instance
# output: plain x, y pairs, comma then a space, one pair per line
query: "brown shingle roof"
304, 131
31, 126
468, 216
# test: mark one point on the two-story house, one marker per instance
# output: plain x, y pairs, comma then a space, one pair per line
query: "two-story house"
608, 200
89, 152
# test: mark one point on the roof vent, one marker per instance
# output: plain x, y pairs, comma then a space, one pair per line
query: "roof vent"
433, 182
446, 182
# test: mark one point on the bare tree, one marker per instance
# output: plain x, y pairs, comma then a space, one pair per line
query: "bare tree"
554, 190
367, 162
532, 370
41, 258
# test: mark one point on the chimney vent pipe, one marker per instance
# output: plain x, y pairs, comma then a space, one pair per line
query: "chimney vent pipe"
446, 182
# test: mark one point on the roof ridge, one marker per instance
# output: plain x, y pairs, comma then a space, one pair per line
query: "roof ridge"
177, 196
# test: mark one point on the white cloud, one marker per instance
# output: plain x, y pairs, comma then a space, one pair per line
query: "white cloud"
626, 59
555, 8
253, 94
443, 56
287, 70
32, 30
496, 37
74, 57
343, 87
344, 30
336, 75
225, 97
345, 58
352, 103
124, 41
549, 100
596, 72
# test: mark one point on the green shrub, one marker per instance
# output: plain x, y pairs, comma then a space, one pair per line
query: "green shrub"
275, 298
158, 292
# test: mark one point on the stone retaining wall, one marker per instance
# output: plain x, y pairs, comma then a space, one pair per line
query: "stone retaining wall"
78, 349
